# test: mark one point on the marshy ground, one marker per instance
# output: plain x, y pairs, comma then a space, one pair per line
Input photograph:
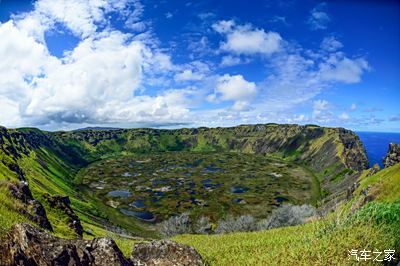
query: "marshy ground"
153, 187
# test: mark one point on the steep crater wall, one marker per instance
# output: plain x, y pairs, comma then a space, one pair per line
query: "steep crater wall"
331, 153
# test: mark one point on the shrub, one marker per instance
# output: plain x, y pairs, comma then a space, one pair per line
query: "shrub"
176, 225
385, 215
379, 213
230, 224
287, 215
203, 226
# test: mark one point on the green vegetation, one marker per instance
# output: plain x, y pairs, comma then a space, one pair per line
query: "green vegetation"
205, 184
376, 226
111, 176
9, 206
385, 184
297, 245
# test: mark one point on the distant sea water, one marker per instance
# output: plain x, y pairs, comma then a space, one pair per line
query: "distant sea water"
377, 144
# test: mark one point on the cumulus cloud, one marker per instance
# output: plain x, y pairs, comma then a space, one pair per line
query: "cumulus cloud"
245, 39
235, 88
106, 78
9, 115
96, 82
82, 18
318, 18
96, 72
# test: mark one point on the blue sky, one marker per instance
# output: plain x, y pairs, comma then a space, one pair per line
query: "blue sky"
132, 63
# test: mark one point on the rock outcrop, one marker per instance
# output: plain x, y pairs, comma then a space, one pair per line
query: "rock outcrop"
364, 197
393, 155
30, 207
63, 204
28, 245
165, 253
373, 170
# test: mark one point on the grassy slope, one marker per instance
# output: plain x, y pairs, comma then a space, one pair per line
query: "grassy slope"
385, 184
324, 242
299, 245
48, 172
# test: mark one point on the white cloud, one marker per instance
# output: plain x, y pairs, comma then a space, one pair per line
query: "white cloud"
229, 60
330, 44
168, 15
241, 106
22, 60
319, 106
296, 76
342, 69
224, 26
106, 78
244, 39
344, 116
97, 82
300, 118
132, 13
163, 61
81, 17
353, 107
96, 72
318, 19
292, 80
9, 115
187, 75
234, 88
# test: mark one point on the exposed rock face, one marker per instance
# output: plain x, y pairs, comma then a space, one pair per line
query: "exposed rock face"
373, 170
312, 143
64, 204
365, 197
27, 245
393, 155
165, 253
32, 208
354, 155
30, 246
351, 189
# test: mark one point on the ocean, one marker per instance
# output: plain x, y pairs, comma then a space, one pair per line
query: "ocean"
377, 144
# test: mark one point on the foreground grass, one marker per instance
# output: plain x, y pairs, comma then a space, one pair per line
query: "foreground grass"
307, 244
